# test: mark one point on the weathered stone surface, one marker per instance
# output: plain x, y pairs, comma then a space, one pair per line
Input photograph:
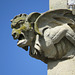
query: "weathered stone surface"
62, 4
63, 67
58, 4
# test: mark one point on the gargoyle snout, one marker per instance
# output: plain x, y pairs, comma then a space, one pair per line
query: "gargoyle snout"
15, 35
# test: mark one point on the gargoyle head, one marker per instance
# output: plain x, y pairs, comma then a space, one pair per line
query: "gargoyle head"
23, 29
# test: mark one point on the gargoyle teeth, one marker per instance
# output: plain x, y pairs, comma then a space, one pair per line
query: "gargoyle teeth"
20, 42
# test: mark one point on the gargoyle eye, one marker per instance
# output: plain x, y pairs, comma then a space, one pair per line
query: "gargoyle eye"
21, 20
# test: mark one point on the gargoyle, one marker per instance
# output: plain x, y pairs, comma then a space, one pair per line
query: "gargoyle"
50, 35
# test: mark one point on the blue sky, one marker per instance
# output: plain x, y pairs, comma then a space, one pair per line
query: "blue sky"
14, 60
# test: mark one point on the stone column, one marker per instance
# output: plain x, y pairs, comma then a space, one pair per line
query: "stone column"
57, 4
62, 4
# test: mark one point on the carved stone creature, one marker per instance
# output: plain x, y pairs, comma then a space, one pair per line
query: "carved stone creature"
50, 35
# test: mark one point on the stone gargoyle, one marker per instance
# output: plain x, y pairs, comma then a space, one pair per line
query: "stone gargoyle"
50, 35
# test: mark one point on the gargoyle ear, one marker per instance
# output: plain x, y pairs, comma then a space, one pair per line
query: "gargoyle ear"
33, 16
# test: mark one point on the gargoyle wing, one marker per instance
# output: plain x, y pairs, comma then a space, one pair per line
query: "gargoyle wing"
54, 18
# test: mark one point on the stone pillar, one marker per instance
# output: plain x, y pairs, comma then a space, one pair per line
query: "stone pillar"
62, 4
57, 4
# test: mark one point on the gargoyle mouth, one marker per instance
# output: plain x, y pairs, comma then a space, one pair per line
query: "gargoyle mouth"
21, 41
21, 37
